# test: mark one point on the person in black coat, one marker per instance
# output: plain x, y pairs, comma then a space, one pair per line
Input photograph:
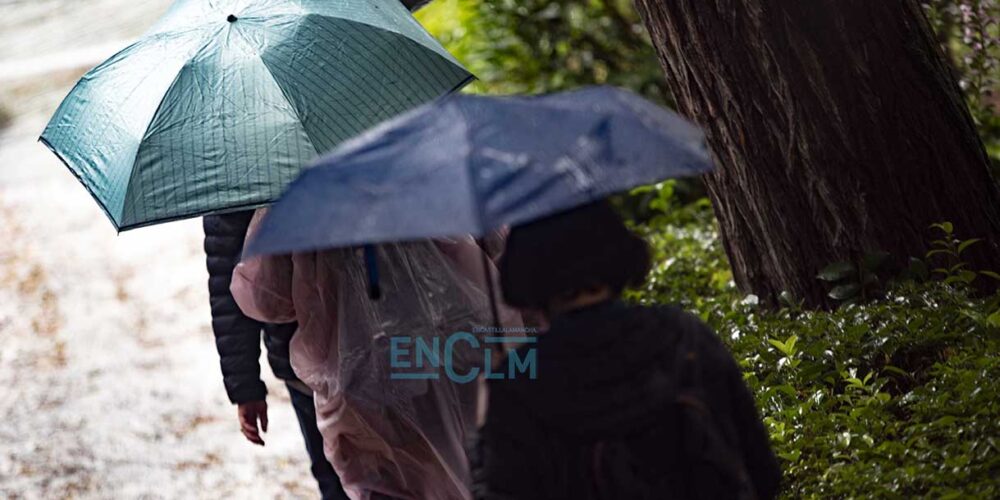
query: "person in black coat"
627, 401
237, 338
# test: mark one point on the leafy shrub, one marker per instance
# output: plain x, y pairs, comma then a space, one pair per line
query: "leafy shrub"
891, 398
532, 46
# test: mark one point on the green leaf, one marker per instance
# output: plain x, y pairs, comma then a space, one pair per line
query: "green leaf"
962, 277
791, 455
966, 244
790, 344
945, 421
990, 274
844, 292
836, 271
896, 370
938, 251
787, 389
994, 319
778, 344
947, 227
967, 276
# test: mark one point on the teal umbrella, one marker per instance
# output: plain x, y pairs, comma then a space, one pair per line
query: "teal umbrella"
222, 103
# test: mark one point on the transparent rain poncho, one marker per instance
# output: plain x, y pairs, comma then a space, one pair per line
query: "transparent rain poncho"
402, 438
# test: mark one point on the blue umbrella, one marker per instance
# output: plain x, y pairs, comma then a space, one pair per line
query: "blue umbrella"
470, 164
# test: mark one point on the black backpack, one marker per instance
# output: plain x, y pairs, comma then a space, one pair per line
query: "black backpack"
704, 465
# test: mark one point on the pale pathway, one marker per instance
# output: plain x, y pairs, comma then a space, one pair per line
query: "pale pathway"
109, 381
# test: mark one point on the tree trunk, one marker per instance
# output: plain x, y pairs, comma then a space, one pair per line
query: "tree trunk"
837, 128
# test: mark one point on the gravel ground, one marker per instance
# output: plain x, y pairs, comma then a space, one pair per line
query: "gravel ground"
109, 380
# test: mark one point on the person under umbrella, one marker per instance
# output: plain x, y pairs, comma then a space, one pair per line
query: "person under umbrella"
630, 401
386, 437
238, 340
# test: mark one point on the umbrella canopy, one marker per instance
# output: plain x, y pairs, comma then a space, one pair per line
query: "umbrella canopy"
469, 164
222, 103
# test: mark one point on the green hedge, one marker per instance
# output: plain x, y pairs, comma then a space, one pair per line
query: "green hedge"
892, 398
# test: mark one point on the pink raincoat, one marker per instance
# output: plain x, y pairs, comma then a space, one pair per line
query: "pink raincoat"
404, 438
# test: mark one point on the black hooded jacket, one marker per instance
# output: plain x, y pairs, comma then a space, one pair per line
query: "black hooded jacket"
237, 337
601, 388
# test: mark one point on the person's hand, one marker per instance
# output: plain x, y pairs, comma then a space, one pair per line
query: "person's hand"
249, 413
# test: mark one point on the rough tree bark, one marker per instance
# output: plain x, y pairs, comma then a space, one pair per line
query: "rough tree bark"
838, 130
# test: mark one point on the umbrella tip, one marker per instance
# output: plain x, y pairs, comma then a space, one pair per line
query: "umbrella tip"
232, 18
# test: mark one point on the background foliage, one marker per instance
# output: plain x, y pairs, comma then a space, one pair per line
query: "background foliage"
969, 32
887, 398
894, 394
534, 46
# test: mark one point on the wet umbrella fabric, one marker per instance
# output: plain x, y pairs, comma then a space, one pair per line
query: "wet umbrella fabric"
222, 103
470, 164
